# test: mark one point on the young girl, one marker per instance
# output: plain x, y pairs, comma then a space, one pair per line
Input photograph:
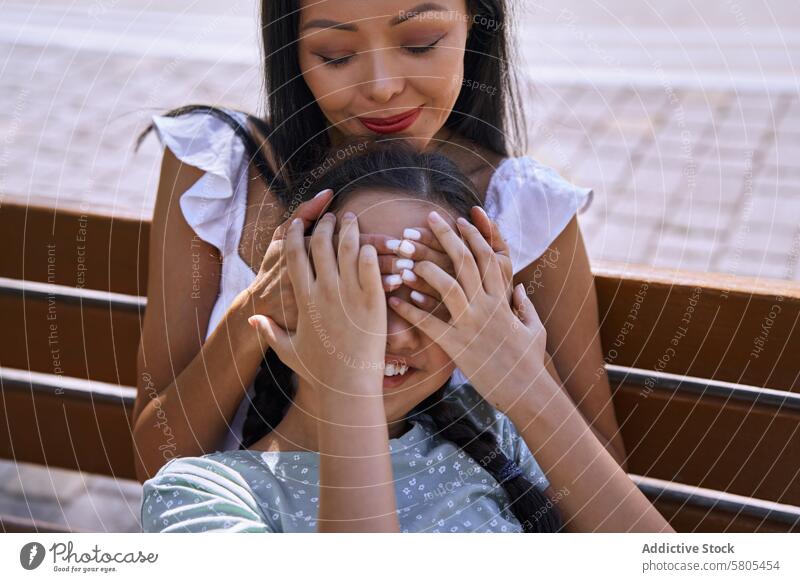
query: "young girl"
360, 428
385, 66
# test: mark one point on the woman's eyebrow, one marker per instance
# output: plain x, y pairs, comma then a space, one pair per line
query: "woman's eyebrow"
325, 23
417, 11
399, 19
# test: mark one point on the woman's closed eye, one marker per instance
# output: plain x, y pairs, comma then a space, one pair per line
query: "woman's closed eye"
423, 48
335, 61
415, 49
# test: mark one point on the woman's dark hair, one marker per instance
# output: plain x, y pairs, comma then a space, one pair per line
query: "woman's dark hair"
396, 167
297, 128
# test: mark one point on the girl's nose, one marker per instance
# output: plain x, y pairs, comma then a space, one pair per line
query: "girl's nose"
386, 80
401, 337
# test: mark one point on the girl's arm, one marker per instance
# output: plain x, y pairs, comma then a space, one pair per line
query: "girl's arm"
355, 469
342, 297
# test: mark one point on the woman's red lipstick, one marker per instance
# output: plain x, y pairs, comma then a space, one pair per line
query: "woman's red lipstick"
391, 124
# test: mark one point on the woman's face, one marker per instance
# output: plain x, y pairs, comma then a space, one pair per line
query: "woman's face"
368, 61
428, 366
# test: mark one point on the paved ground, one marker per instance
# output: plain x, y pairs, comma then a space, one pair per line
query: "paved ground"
685, 121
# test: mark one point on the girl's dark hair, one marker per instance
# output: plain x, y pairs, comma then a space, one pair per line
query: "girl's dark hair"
396, 167
297, 128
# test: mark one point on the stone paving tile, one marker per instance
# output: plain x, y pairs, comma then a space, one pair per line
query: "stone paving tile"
42, 483
90, 512
640, 208
74, 133
73, 500
625, 243
34, 510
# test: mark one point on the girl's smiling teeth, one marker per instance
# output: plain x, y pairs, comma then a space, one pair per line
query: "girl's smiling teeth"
395, 369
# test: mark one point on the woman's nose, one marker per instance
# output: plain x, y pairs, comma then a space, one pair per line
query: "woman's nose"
401, 337
386, 80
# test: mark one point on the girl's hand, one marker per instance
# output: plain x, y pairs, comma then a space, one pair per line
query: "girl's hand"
271, 291
341, 327
493, 344
420, 244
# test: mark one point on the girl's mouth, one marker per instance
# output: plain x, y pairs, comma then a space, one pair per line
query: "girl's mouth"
396, 373
391, 124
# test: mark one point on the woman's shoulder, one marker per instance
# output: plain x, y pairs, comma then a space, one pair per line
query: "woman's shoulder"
205, 137
207, 140
532, 204
527, 172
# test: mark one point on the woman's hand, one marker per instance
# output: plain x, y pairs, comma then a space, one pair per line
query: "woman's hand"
493, 344
340, 339
420, 244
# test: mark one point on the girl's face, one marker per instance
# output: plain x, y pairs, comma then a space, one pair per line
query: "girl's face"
368, 62
428, 366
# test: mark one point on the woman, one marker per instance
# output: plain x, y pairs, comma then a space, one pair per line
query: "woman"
365, 429
333, 70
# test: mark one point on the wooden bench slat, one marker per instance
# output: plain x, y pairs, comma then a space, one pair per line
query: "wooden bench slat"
14, 524
62, 426
71, 332
695, 509
90, 251
736, 330
749, 449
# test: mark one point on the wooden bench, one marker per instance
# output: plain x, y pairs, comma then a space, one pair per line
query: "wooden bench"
705, 370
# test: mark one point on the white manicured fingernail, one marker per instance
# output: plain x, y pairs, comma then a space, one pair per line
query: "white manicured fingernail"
322, 192
417, 297
404, 263
392, 280
412, 234
393, 244
409, 276
406, 248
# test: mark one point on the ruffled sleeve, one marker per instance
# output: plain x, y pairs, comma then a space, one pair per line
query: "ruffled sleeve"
532, 205
207, 143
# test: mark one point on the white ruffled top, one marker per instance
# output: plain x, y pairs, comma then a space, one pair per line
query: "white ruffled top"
531, 203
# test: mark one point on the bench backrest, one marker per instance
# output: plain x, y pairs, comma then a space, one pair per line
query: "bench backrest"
705, 369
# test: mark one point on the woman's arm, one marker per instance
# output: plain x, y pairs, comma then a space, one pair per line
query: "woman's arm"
177, 413
189, 388
600, 495
561, 287
501, 348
